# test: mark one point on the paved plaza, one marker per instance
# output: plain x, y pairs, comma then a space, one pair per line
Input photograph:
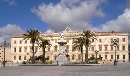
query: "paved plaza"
122, 69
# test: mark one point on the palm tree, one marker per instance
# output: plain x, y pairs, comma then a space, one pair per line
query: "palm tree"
87, 36
34, 36
78, 43
43, 43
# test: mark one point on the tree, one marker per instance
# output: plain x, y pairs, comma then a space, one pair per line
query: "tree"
33, 35
43, 43
78, 43
87, 36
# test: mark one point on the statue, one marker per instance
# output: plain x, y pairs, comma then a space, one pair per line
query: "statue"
61, 58
62, 37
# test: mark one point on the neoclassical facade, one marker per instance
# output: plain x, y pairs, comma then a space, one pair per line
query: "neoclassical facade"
21, 49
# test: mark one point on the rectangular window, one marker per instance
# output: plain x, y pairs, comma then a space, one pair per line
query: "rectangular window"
79, 57
15, 42
48, 48
73, 57
25, 49
92, 40
19, 57
14, 57
100, 40
77, 49
24, 57
105, 47
123, 39
55, 57
117, 47
48, 57
92, 48
105, 56
123, 47
25, 42
36, 49
20, 42
55, 48
20, 49
100, 48
117, 56
31, 49
15, 49
123, 56
92, 56
111, 56
100, 56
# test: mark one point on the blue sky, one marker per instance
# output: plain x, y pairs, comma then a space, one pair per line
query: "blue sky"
17, 16
20, 13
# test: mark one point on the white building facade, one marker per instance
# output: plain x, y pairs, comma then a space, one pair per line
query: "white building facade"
7, 53
21, 49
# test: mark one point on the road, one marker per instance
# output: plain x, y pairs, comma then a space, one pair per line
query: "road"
122, 69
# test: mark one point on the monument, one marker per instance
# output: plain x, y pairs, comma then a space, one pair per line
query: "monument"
62, 58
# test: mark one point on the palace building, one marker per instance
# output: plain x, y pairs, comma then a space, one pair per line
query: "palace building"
21, 50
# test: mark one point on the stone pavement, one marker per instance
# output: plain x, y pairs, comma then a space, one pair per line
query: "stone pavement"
122, 69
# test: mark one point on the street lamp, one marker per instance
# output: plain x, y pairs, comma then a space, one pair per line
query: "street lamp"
4, 53
96, 52
115, 42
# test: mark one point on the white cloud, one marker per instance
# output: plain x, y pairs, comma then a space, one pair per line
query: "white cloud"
49, 31
8, 31
10, 2
75, 14
121, 24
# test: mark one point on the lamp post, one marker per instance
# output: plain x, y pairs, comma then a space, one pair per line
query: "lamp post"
96, 52
115, 42
4, 53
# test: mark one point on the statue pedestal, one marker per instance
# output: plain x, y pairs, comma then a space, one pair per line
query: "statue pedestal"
61, 58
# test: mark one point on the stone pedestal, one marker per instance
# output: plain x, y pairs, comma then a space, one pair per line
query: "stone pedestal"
61, 58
